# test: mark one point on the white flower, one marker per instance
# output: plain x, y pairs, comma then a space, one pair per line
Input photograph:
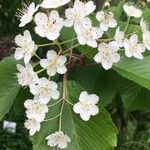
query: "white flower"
48, 25
143, 25
146, 33
26, 75
54, 3
58, 139
33, 126
132, 11
132, 48
26, 14
119, 37
78, 12
86, 106
87, 34
106, 20
54, 63
26, 47
107, 55
146, 39
35, 110
45, 90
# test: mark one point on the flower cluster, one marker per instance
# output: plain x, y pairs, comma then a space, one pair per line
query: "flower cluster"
49, 25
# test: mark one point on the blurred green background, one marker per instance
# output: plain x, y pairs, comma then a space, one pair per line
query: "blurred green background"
134, 127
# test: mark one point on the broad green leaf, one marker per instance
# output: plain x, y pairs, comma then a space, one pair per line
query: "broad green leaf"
8, 85
95, 79
146, 15
97, 134
18, 110
135, 70
134, 97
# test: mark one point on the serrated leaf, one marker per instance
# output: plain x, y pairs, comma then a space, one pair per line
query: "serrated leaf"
135, 70
8, 85
134, 97
98, 134
94, 78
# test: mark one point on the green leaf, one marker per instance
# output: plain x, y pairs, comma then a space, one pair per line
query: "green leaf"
94, 78
135, 70
146, 15
97, 134
8, 85
134, 97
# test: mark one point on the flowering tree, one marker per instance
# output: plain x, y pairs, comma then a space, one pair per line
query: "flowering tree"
71, 82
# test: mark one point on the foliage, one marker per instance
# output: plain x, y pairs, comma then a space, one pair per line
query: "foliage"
123, 89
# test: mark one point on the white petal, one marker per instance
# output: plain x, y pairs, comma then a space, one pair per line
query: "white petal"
44, 63
77, 108
55, 94
19, 54
51, 54
61, 69
51, 71
94, 111
81, 40
107, 64
61, 60
115, 58
85, 116
83, 96
53, 35
104, 26
134, 39
98, 58
100, 15
27, 57
92, 43
93, 98
113, 23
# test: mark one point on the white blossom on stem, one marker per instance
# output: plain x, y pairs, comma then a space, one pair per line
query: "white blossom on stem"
58, 139
132, 11
35, 110
107, 55
86, 34
26, 47
86, 106
26, 14
78, 12
54, 63
26, 75
48, 25
133, 48
45, 90
53, 3
33, 126
106, 20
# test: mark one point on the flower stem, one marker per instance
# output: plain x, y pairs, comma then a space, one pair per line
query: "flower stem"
52, 118
38, 72
55, 103
128, 21
48, 44
63, 100
70, 48
69, 102
37, 56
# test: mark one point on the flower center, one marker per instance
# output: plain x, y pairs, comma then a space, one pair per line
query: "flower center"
85, 106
